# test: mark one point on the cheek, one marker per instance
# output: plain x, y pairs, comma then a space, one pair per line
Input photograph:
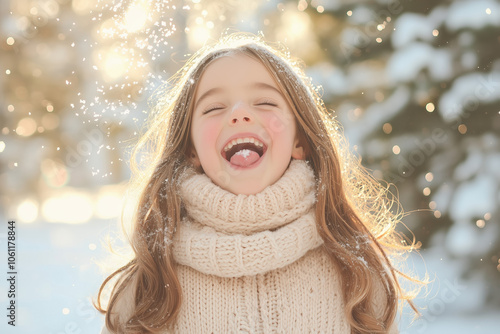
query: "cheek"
279, 127
206, 135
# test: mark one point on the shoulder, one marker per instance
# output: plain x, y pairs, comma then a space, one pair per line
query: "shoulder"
124, 306
380, 301
105, 330
320, 262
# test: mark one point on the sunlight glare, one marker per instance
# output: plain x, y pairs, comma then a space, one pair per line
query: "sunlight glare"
115, 65
109, 202
69, 207
198, 35
136, 16
27, 211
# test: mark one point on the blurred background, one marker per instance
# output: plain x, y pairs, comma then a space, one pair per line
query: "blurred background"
416, 85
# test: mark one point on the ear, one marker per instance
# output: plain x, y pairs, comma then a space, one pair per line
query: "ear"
298, 152
193, 157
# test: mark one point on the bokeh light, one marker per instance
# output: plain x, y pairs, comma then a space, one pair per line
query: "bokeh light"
26, 127
429, 177
79, 76
137, 16
70, 206
27, 211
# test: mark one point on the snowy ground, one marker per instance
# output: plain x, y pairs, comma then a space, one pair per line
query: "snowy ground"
58, 276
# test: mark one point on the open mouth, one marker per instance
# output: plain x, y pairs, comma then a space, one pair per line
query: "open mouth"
244, 154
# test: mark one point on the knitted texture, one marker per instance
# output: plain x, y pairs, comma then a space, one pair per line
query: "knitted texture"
303, 297
242, 260
254, 263
226, 235
290, 197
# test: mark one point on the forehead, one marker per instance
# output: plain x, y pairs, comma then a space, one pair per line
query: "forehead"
233, 71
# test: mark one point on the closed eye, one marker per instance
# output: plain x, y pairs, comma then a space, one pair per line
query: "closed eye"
267, 103
212, 109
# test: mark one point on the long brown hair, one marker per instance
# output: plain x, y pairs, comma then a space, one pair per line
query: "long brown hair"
354, 212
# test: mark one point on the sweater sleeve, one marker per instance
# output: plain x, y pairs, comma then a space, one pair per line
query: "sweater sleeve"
104, 330
124, 307
394, 328
380, 304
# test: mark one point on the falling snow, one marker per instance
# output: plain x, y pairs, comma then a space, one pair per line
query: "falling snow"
108, 57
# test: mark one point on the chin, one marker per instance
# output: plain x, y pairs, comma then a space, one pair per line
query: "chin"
243, 189
246, 187
249, 192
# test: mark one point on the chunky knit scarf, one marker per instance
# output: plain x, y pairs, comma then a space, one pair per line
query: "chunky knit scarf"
232, 235
243, 262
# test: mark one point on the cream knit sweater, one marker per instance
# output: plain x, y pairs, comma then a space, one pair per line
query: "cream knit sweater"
254, 263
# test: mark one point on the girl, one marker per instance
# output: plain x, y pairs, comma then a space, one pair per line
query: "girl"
253, 217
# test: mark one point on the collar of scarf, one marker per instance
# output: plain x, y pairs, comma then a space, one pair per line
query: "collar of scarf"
232, 235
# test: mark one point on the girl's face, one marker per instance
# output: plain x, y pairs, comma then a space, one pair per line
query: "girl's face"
243, 130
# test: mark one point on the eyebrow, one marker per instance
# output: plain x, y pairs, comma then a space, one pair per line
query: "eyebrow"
208, 93
216, 90
263, 85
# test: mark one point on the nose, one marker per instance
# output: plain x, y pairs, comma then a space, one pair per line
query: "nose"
240, 114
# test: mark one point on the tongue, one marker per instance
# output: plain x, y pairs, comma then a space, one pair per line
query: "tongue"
244, 158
